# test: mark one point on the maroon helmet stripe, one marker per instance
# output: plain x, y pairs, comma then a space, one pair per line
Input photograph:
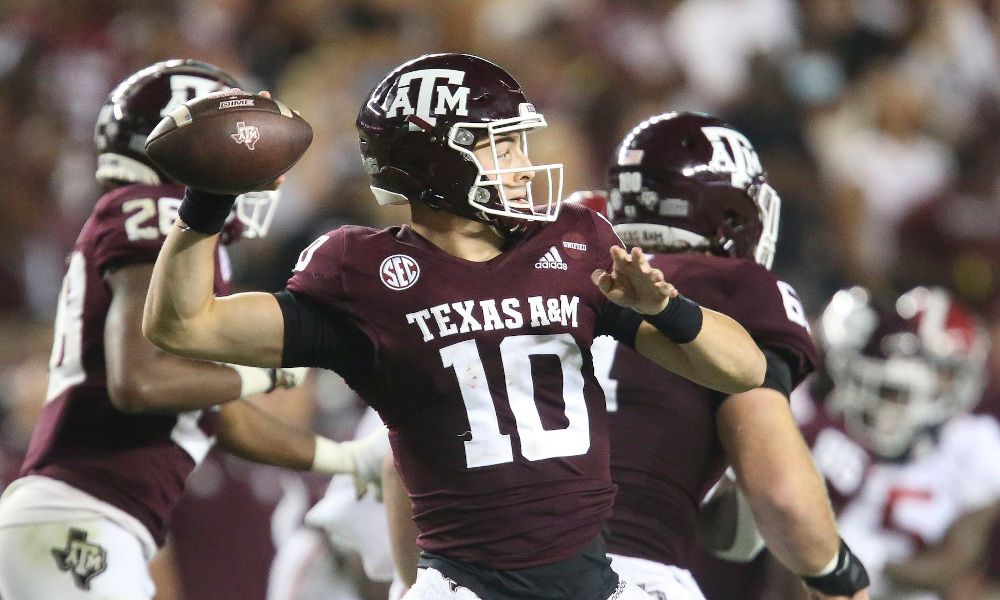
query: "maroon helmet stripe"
419, 122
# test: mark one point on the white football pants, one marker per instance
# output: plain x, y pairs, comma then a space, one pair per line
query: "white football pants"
432, 585
662, 582
83, 559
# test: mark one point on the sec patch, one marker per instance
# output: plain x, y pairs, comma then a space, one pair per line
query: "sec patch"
399, 272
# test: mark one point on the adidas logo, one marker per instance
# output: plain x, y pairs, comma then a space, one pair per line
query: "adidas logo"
552, 260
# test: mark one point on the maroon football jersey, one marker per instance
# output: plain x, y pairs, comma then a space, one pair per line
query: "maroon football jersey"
665, 453
135, 462
485, 379
843, 462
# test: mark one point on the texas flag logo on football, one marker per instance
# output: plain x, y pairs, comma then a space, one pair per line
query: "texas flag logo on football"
246, 134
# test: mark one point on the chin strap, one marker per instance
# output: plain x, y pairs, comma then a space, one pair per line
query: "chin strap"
432, 199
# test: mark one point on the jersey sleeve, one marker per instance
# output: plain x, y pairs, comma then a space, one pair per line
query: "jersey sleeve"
128, 231
319, 336
321, 330
778, 375
770, 310
619, 322
605, 237
317, 273
614, 320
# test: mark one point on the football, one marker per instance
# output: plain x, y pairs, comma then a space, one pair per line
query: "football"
229, 142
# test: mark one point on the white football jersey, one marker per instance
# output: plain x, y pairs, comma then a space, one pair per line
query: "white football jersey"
892, 510
304, 568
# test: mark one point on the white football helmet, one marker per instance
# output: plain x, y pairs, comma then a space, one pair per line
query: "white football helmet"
901, 372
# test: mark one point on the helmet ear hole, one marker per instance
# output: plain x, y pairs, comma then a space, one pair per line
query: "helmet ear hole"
688, 143
735, 220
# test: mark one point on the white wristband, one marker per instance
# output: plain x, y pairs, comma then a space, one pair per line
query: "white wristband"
330, 458
253, 380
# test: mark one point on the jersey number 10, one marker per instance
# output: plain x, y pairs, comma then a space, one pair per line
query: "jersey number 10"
490, 447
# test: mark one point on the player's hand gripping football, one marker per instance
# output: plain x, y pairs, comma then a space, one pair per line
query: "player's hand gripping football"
633, 283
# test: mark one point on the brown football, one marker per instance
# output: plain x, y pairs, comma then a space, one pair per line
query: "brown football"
228, 142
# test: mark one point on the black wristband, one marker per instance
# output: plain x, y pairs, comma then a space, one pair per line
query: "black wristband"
846, 579
680, 321
205, 212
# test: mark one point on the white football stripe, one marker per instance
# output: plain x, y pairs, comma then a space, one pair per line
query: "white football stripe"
181, 115
285, 111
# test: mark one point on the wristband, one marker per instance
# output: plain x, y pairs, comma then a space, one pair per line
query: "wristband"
255, 380
330, 458
847, 577
680, 321
205, 212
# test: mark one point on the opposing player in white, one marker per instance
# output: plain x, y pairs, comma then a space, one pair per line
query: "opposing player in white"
347, 520
916, 475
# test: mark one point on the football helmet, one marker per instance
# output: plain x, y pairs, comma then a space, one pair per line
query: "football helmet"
955, 339
900, 372
137, 105
420, 125
688, 181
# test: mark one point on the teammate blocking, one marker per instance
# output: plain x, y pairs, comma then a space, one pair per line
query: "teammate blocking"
915, 477
478, 362
691, 190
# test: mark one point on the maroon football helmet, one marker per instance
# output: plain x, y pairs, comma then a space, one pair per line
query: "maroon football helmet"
419, 128
901, 371
687, 181
137, 105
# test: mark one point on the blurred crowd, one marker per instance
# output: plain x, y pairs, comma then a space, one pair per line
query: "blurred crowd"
875, 120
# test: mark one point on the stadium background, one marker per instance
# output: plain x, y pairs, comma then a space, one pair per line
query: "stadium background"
877, 121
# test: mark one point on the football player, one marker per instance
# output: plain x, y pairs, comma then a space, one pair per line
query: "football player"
915, 477
339, 529
469, 332
124, 423
690, 189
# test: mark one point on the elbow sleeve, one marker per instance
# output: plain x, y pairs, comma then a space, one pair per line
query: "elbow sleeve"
318, 336
779, 373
